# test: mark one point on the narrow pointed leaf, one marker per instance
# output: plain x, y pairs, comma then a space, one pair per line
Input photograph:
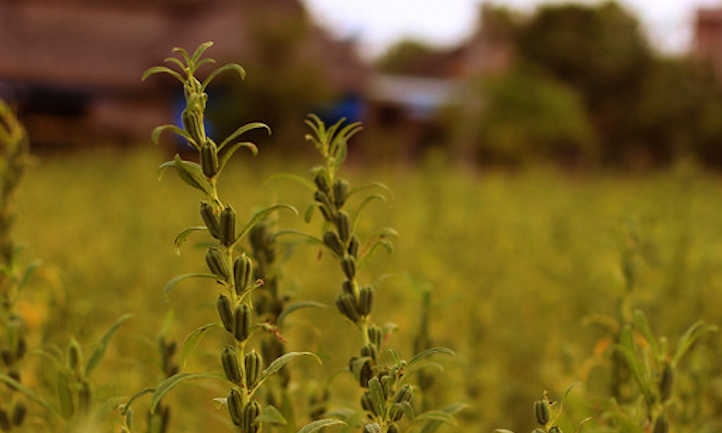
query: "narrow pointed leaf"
279, 363
294, 178
200, 50
155, 136
168, 384
183, 236
224, 68
322, 423
193, 339
225, 154
26, 391
99, 351
258, 216
271, 415
430, 352
242, 130
173, 282
295, 307
161, 69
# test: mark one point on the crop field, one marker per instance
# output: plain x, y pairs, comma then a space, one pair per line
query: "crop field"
519, 266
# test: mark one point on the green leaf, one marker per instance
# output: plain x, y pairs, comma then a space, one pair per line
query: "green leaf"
430, 352
200, 50
26, 391
242, 130
224, 68
155, 136
640, 321
361, 207
434, 425
692, 334
183, 236
436, 415
225, 154
125, 406
190, 172
27, 273
175, 61
310, 238
65, 395
376, 185
309, 213
168, 384
271, 415
258, 216
295, 307
279, 363
161, 69
182, 52
99, 350
201, 63
322, 423
193, 339
172, 283
295, 178
502, 430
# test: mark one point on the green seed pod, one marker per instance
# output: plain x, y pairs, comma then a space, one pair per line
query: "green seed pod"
74, 356
327, 215
346, 305
322, 199
85, 397
193, 125
661, 425
372, 428
211, 220
366, 403
375, 335
4, 421
343, 226
396, 412
365, 374
387, 383
19, 412
353, 246
250, 413
369, 350
404, 394
21, 348
229, 360
321, 181
217, 264
165, 419
209, 159
223, 305
348, 264
366, 297
541, 411
351, 363
242, 322
393, 428
331, 240
254, 367
340, 192
228, 226
242, 273
666, 382
235, 407
65, 395
348, 287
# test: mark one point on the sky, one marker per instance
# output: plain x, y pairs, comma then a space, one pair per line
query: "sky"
379, 23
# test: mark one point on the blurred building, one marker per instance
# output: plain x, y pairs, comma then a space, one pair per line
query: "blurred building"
73, 66
708, 37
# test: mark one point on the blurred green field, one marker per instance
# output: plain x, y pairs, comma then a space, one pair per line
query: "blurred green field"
516, 262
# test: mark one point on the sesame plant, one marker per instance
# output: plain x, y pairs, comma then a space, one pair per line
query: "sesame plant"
229, 260
13, 345
387, 403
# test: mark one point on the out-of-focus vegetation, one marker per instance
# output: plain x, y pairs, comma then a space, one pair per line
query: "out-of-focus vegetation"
519, 265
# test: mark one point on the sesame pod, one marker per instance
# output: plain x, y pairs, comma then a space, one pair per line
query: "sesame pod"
193, 124
404, 394
348, 264
209, 159
348, 287
250, 413
19, 412
666, 382
258, 237
165, 419
351, 363
232, 370
242, 322
235, 407
541, 411
253, 366
340, 192
217, 264
375, 335
387, 382
211, 220
555, 429
365, 374
347, 307
228, 226
74, 356
369, 350
353, 246
4, 421
331, 240
343, 226
322, 199
396, 412
366, 297
372, 428
321, 181
7, 357
325, 212
223, 305
366, 403
65, 395
393, 428
242, 273
84, 397
661, 425
21, 348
